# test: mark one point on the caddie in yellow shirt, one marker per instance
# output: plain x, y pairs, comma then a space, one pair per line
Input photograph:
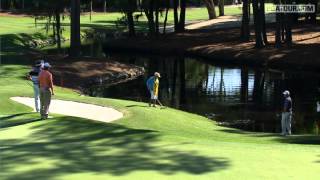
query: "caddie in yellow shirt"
153, 87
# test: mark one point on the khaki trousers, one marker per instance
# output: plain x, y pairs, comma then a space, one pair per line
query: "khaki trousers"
45, 99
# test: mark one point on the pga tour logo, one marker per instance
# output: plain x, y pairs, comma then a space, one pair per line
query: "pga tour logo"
295, 8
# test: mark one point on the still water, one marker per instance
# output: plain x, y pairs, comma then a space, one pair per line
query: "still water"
241, 97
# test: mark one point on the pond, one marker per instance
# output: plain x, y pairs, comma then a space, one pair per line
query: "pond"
240, 97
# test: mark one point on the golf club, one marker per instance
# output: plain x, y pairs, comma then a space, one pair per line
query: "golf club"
162, 107
29, 83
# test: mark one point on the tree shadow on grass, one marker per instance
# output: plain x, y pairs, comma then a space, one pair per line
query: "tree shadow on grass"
5, 118
79, 146
16, 46
10, 72
292, 139
249, 133
318, 160
107, 25
19, 43
236, 131
301, 139
136, 105
17, 120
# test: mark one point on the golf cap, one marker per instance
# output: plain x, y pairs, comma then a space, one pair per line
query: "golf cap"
47, 65
286, 92
157, 74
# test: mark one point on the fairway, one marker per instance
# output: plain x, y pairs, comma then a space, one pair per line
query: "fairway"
145, 143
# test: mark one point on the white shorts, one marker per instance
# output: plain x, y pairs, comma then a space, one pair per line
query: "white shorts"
153, 97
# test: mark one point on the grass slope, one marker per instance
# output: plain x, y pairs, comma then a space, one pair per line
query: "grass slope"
147, 143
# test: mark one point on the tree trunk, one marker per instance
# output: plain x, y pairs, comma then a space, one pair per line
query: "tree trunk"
210, 8
129, 15
221, 7
35, 22
0, 6
175, 14
105, 6
166, 17
174, 81
182, 82
258, 87
278, 32
75, 28
244, 85
157, 18
90, 10
263, 21
179, 21
278, 28
288, 28
258, 24
58, 31
313, 18
182, 20
11, 6
54, 25
221, 85
282, 17
245, 26
149, 11
131, 24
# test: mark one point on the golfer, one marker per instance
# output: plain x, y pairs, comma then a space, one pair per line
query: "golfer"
153, 87
33, 76
46, 90
286, 114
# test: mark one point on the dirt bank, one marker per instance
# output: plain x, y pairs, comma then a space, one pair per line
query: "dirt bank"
224, 46
78, 73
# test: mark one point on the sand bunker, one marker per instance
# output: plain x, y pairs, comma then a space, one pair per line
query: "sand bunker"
82, 110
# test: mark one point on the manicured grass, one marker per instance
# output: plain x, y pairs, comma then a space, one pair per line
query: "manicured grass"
196, 14
147, 143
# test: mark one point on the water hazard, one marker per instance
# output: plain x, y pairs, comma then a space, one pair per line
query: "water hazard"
241, 97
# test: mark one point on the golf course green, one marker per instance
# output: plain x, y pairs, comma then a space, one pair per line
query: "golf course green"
147, 143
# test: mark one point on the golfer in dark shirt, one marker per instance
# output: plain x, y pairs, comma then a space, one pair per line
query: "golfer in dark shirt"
286, 114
